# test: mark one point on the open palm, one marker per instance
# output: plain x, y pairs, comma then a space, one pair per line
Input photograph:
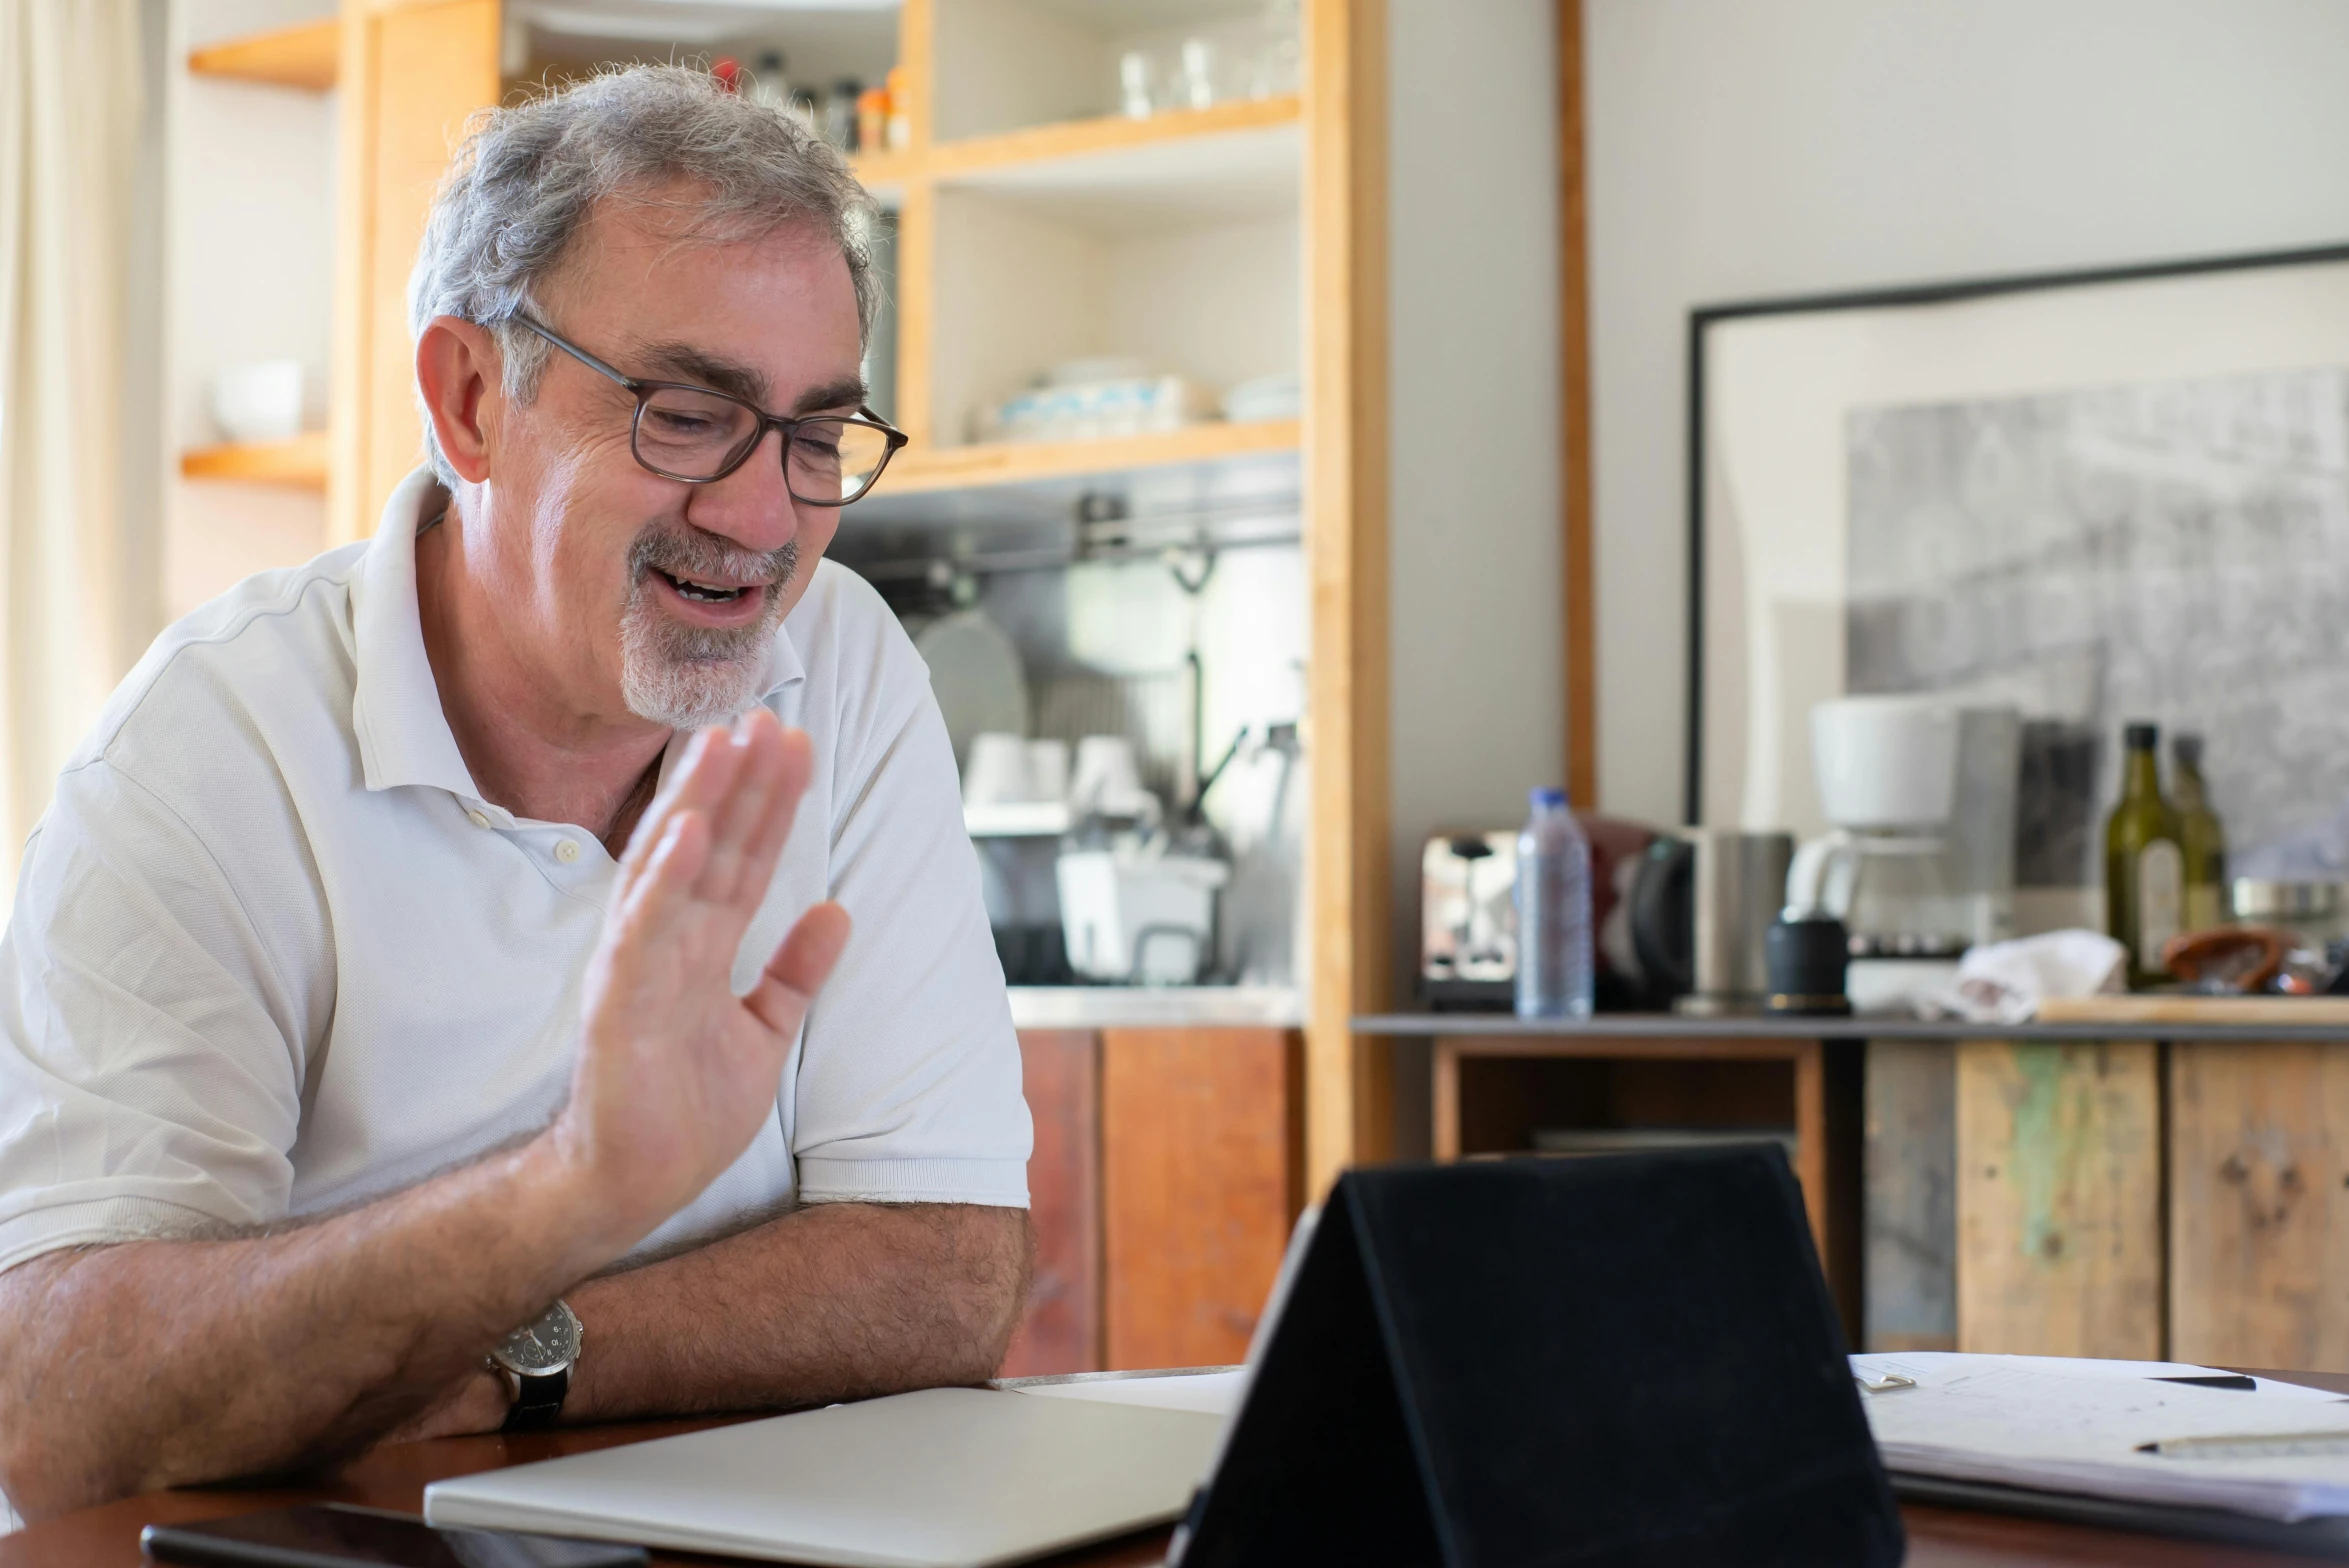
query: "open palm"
676, 1073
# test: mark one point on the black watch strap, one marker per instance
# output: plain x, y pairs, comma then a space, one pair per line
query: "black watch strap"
538, 1399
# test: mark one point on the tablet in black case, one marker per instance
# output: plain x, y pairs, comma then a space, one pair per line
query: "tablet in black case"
1591, 1362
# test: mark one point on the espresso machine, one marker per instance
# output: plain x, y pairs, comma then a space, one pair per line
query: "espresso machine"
1919, 862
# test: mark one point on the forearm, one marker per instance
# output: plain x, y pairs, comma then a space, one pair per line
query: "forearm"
152, 1363
834, 1301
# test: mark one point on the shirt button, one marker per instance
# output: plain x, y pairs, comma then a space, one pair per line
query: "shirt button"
479, 819
566, 850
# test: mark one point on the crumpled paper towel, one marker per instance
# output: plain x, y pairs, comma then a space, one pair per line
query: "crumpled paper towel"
2004, 982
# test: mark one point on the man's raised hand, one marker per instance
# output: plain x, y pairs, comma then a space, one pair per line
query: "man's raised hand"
676, 1073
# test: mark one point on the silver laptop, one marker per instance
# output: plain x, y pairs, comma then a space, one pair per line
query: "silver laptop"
944, 1478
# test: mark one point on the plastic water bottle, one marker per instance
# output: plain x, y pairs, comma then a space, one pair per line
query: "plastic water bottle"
1553, 912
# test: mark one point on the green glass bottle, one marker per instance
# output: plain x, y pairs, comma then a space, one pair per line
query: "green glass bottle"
2200, 837
2144, 864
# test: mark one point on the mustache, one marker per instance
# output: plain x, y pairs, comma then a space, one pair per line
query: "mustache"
687, 551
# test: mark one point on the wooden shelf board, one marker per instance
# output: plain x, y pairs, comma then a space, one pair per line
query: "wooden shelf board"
1231, 162
304, 56
300, 462
1043, 144
884, 174
1004, 463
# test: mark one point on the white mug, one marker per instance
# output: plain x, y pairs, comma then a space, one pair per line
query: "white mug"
259, 402
1048, 770
1108, 778
997, 774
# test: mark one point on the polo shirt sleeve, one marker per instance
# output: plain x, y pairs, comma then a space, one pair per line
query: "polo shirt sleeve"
150, 1072
909, 1076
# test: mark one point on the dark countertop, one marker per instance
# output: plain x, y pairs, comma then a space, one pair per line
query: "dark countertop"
1670, 1026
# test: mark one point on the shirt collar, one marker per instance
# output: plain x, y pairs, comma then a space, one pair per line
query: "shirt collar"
404, 737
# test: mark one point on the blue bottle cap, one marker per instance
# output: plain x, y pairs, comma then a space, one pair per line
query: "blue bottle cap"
1548, 797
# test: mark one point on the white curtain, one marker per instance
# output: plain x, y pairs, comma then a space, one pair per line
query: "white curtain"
70, 103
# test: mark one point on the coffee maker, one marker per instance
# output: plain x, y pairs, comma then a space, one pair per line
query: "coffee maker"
1919, 864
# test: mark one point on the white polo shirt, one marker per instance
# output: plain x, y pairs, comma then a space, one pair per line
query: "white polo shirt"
272, 953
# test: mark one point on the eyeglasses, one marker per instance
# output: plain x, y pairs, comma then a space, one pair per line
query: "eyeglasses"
699, 436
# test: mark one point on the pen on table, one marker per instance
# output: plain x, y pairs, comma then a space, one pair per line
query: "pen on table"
2250, 1445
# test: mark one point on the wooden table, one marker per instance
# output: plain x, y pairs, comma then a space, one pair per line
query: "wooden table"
108, 1536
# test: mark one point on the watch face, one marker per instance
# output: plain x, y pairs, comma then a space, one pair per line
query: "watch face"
548, 1344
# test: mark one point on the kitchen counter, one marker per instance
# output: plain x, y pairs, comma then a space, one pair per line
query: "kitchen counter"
1156, 1007
1671, 1026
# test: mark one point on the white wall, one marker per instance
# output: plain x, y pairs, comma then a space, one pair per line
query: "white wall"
1476, 611
1741, 148
249, 277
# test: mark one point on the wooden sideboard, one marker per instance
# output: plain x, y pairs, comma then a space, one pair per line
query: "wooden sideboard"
2050, 1189
1169, 1167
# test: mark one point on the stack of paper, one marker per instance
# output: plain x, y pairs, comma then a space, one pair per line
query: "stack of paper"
2080, 1426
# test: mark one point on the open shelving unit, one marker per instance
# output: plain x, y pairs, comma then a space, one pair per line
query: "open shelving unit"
304, 58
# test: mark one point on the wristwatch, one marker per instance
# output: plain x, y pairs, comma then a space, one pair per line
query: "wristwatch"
535, 1362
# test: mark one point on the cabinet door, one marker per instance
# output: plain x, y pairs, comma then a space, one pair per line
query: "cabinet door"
1061, 1332
412, 72
1202, 1166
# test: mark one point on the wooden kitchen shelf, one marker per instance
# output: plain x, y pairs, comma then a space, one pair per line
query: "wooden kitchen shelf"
305, 56
300, 462
1019, 462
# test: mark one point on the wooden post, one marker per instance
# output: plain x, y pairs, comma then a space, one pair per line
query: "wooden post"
1349, 1099
2059, 1154
1582, 636
412, 72
2259, 1218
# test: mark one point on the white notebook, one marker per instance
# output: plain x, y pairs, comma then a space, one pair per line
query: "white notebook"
2061, 1425
944, 1478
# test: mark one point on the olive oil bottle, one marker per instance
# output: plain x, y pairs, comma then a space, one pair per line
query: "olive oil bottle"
2144, 863
2200, 837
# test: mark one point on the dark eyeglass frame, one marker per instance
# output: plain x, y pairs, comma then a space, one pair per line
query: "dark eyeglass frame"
643, 391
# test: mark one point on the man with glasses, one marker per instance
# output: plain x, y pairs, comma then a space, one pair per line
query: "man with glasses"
527, 966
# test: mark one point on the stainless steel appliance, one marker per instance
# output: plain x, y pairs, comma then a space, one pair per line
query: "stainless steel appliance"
1468, 920
1468, 917
1738, 889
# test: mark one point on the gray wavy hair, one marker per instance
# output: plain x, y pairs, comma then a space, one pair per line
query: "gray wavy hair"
526, 178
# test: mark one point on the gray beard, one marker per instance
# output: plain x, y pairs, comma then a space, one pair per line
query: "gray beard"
680, 676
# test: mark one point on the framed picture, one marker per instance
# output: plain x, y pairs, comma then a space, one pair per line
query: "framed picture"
2095, 497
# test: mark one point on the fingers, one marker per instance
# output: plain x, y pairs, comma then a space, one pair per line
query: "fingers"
665, 881
755, 818
771, 827
700, 779
746, 781
799, 968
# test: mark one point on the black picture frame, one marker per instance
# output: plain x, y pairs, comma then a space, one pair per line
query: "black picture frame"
1704, 318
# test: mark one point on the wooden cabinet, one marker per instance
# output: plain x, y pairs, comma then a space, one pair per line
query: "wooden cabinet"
1168, 1171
